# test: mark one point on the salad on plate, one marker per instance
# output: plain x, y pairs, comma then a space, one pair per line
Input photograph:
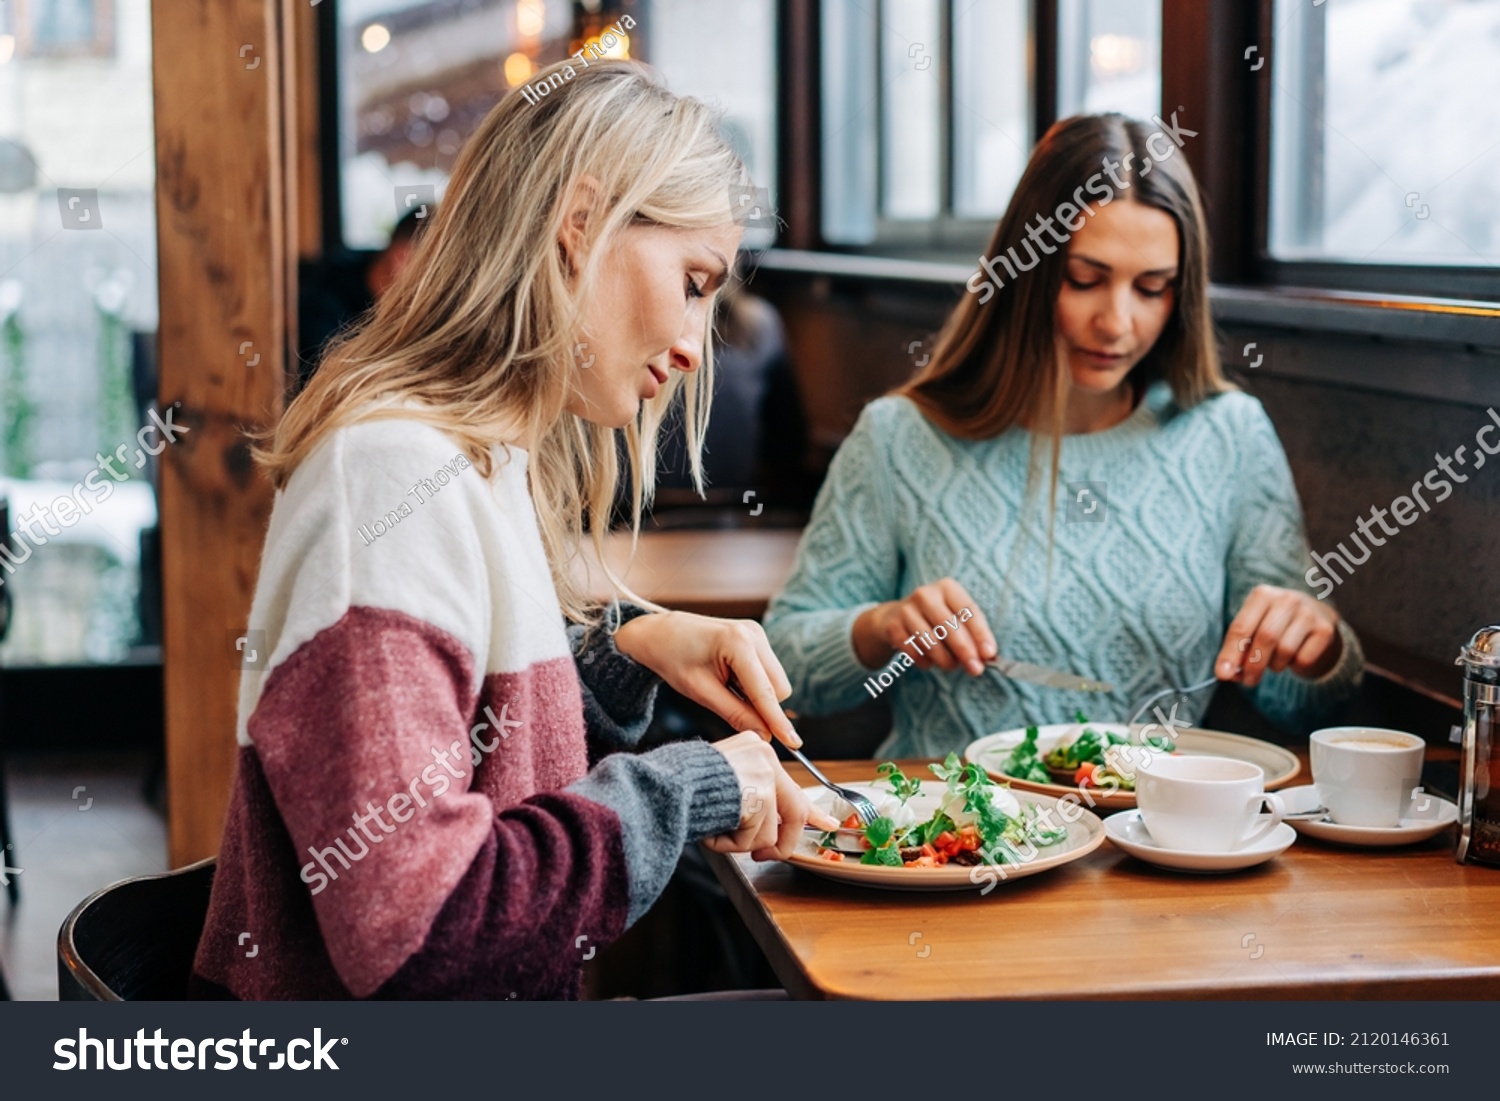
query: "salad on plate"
976, 822
1095, 758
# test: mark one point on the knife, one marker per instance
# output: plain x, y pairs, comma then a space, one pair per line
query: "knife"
1048, 678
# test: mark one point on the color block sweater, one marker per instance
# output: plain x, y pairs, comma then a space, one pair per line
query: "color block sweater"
1190, 510
414, 815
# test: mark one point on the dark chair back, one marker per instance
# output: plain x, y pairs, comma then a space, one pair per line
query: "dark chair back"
135, 940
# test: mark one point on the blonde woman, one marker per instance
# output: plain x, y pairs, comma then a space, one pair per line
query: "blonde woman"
415, 815
1070, 481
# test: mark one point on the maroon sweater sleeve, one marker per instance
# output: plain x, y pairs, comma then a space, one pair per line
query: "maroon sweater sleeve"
421, 885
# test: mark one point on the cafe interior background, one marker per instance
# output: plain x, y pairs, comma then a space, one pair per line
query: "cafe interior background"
192, 193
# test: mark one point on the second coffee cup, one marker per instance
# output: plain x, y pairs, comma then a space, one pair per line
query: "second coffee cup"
1204, 804
1365, 776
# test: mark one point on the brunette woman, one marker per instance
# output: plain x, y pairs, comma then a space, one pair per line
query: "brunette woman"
1070, 481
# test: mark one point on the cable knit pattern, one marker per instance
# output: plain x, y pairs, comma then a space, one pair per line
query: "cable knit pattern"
1199, 507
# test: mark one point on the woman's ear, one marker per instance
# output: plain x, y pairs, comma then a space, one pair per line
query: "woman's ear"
579, 207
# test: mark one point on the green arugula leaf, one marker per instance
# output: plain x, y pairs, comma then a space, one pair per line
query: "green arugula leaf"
1039, 832
902, 786
951, 766
881, 835
977, 790
879, 832
925, 832
1087, 748
1023, 762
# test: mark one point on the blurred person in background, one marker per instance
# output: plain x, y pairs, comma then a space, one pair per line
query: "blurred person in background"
756, 434
337, 294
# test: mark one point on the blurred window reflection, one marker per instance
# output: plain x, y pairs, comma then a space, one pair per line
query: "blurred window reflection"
78, 317
417, 76
415, 79
1384, 120
927, 112
724, 54
1109, 57
991, 106
912, 118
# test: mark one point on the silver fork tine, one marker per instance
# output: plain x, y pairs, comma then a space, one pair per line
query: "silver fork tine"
862, 806
1165, 692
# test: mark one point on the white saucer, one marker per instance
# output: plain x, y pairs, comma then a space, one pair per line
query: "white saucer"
1430, 815
1128, 832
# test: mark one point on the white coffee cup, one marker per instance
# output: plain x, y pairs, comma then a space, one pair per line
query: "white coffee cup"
1364, 775
1204, 804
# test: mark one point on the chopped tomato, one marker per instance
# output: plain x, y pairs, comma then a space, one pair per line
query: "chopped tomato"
831, 854
968, 839
1085, 776
852, 822
947, 845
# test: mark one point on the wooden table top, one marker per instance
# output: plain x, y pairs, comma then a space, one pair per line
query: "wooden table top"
730, 572
1319, 921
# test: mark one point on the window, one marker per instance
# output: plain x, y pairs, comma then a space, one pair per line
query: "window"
78, 316
724, 54
926, 118
1384, 119
929, 106
991, 108
849, 122
911, 169
415, 78
1109, 57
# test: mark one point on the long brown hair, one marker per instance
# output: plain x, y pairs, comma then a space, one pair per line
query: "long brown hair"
478, 336
996, 364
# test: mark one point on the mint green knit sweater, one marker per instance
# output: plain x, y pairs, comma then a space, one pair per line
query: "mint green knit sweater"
1197, 508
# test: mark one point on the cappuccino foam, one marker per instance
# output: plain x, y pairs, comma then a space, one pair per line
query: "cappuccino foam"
1373, 743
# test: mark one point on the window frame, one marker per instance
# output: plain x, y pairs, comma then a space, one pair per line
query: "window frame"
946, 234
1232, 111
1427, 281
1233, 105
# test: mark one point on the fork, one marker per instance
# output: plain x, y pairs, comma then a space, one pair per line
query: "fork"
862, 806
1165, 692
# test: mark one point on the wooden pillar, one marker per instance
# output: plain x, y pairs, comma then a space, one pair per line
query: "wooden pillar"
225, 251
799, 130
1201, 41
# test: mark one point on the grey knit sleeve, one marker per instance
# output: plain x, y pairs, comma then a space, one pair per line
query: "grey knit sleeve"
618, 692
666, 798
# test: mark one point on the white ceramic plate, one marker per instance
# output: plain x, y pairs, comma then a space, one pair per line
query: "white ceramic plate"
1430, 815
1129, 833
1085, 834
990, 752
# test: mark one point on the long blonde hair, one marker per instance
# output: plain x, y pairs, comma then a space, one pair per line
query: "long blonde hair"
480, 328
